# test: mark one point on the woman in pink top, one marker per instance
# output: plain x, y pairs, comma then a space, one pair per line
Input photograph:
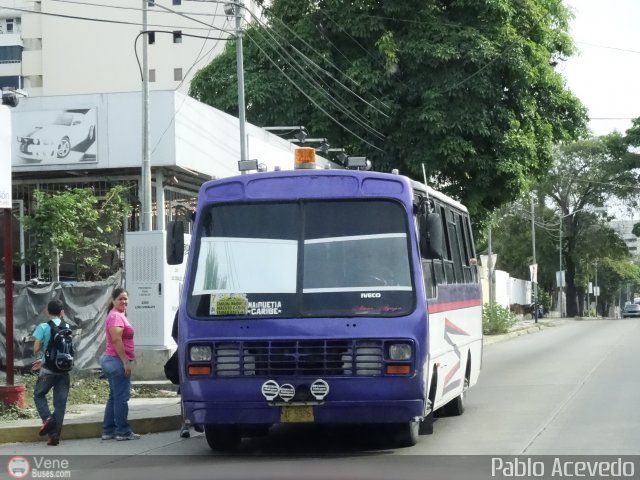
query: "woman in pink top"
116, 365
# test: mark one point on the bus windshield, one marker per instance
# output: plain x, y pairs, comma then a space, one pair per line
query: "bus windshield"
301, 259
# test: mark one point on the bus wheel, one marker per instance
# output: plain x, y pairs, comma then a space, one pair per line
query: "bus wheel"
407, 434
222, 437
455, 407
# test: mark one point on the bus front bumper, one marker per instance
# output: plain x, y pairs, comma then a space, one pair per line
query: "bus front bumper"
252, 413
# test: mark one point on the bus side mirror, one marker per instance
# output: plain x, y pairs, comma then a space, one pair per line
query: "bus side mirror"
431, 236
175, 243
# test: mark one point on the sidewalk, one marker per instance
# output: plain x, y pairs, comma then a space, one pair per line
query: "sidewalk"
146, 415
152, 415
524, 327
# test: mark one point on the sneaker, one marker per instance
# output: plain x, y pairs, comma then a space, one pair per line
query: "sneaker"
53, 440
198, 428
128, 436
48, 426
184, 431
108, 436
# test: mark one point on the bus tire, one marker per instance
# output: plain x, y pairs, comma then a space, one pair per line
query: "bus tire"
407, 434
222, 438
455, 407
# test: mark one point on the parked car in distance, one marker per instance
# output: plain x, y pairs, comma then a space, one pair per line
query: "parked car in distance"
631, 310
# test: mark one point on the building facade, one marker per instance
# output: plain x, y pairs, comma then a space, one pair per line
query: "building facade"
624, 228
68, 47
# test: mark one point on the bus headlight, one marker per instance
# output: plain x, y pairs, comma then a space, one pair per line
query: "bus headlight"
400, 351
200, 353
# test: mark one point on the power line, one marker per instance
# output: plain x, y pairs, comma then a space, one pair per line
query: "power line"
137, 9
628, 50
199, 57
332, 65
358, 118
304, 74
135, 42
309, 98
89, 19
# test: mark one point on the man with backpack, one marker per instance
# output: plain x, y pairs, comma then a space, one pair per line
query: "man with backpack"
53, 348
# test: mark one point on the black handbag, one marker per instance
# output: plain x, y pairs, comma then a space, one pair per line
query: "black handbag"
172, 369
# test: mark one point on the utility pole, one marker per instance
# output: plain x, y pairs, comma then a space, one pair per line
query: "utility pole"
597, 288
239, 12
490, 262
560, 282
144, 189
534, 273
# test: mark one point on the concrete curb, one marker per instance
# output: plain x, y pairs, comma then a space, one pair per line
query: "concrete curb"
522, 330
77, 431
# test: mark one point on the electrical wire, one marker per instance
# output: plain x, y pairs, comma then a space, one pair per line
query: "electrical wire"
137, 9
356, 117
89, 19
293, 32
304, 74
311, 99
135, 42
199, 57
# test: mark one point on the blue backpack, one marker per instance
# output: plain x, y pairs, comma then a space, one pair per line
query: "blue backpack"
59, 354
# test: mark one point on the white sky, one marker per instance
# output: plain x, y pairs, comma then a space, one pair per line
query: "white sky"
605, 71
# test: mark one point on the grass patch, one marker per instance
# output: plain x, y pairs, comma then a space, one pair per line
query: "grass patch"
496, 319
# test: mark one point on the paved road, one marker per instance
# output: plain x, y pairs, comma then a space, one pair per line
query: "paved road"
570, 389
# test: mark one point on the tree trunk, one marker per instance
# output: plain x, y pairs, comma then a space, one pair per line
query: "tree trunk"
572, 307
580, 291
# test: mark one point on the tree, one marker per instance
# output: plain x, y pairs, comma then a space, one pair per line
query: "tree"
584, 176
76, 224
511, 240
595, 241
467, 88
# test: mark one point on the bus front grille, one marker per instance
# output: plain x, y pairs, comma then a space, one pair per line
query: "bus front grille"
299, 357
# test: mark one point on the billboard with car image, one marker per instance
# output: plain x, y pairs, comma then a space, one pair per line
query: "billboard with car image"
55, 137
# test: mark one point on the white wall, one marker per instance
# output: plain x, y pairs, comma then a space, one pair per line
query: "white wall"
509, 291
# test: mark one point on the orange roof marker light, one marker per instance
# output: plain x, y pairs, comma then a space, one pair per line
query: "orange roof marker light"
304, 157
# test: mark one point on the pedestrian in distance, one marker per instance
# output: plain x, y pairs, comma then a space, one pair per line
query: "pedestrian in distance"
50, 377
116, 366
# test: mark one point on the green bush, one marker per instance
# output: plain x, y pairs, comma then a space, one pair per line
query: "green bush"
496, 319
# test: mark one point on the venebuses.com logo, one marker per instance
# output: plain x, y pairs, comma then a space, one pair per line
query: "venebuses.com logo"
18, 467
38, 467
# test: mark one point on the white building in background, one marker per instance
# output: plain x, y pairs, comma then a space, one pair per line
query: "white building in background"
624, 229
68, 47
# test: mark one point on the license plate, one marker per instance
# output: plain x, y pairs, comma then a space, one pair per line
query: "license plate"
296, 414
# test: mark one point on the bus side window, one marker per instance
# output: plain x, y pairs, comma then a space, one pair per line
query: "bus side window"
455, 251
438, 272
428, 277
472, 253
464, 249
446, 260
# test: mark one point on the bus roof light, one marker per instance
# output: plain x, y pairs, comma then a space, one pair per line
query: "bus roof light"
305, 157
